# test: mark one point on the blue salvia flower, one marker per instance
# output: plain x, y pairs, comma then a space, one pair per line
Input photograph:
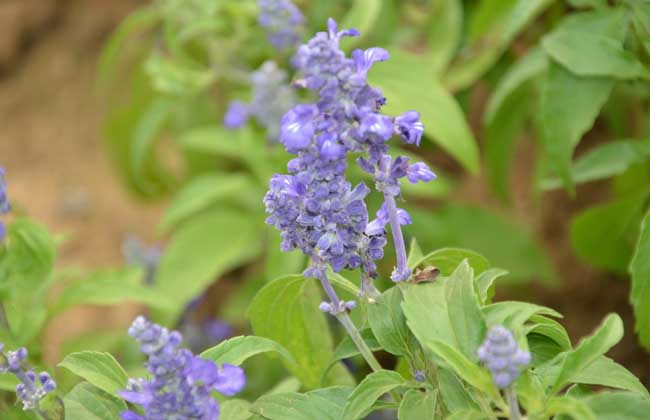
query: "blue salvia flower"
32, 388
273, 96
502, 356
180, 385
282, 21
5, 206
315, 207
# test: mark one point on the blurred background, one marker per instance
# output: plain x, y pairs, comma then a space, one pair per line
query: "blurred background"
60, 171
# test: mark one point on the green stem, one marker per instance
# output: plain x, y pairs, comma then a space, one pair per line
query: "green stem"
513, 404
351, 329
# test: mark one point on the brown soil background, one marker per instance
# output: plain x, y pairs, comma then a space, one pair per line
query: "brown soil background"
59, 173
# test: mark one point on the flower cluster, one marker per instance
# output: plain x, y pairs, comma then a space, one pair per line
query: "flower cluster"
272, 97
502, 356
137, 254
29, 390
316, 209
282, 21
5, 206
180, 383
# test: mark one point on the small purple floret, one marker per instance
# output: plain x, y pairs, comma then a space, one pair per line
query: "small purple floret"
502, 356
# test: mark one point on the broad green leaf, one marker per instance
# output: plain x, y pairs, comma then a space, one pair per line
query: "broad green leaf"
605, 235
415, 253
446, 310
454, 394
503, 242
588, 3
589, 50
513, 314
444, 121
588, 351
202, 192
343, 283
640, 272
99, 369
235, 409
418, 405
485, 283
542, 348
606, 372
87, 402
467, 415
550, 328
286, 311
570, 105
321, 404
237, 349
201, 251
347, 349
215, 140
278, 263
573, 407
492, 29
173, 77
368, 392
641, 21
445, 33
447, 260
389, 324
618, 405
362, 16
110, 287
8, 382
605, 161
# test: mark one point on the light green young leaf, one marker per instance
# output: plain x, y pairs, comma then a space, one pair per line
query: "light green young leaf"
513, 314
467, 415
347, 348
415, 253
606, 372
99, 369
321, 404
588, 3
389, 324
237, 350
445, 33
618, 405
418, 405
561, 129
454, 394
343, 283
201, 193
87, 402
605, 161
286, 311
444, 121
485, 283
447, 260
604, 235
234, 409
190, 262
575, 408
590, 49
551, 329
640, 272
362, 16
589, 350
215, 140
369, 390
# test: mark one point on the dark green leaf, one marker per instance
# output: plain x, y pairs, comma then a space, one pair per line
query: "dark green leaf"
368, 392
573, 407
640, 272
321, 404
606, 372
446, 31
389, 324
618, 406
454, 394
99, 369
362, 16
87, 402
418, 405
513, 314
237, 349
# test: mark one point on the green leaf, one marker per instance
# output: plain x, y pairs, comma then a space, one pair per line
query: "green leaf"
201, 193
215, 140
447, 260
467, 415
347, 349
443, 118
605, 235
362, 16
99, 369
415, 253
618, 405
87, 402
587, 49
640, 294
389, 324
575, 408
588, 351
237, 349
201, 251
605, 161
485, 283
492, 28
445, 33
570, 105
588, 3
369, 390
641, 21
606, 372
454, 394
343, 283
235, 409
110, 287
513, 314
286, 311
418, 405
321, 404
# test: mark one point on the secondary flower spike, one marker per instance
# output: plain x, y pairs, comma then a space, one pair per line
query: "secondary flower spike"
282, 21
502, 356
30, 390
180, 385
5, 206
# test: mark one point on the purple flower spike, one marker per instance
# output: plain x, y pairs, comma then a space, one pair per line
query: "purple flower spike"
298, 127
5, 206
363, 60
502, 356
409, 127
419, 172
31, 389
282, 21
236, 116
